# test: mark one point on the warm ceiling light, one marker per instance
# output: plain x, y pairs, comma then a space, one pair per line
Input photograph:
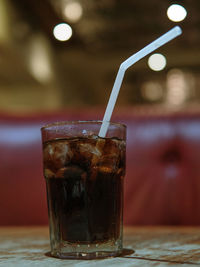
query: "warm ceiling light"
177, 89
73, 11
152, 91
62, 32
39, 61
176, 12
157, 62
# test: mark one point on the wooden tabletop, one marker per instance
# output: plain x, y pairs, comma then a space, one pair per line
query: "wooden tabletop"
153, 246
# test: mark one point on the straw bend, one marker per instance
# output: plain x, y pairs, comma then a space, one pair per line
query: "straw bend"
122, 67
171, 34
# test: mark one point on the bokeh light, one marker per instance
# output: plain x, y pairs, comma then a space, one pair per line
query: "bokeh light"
39, 61
152, 90
62, 32
73, 11
176, 13
177, 89
157, 62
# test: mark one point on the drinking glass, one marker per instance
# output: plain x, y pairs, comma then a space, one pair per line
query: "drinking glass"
84, 176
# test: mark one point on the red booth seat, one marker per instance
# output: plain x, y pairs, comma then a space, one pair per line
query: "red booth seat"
162, 184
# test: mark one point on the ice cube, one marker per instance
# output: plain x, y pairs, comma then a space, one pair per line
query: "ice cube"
88, 150
57, 154
99, 146
109, 163
105, 169
88, 153
100, 143
73, 171
60, 173
112, 146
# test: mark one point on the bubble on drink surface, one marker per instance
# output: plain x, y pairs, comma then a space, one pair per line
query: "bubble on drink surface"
90, 134
57, 154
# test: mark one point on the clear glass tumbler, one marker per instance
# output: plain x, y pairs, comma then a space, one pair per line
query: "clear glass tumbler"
84, 178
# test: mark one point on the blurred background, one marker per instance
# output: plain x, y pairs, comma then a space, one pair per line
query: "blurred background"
66, 53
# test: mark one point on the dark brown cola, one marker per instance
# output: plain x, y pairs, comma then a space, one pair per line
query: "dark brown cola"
85, 188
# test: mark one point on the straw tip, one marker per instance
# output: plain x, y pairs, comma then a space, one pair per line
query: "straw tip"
178, 30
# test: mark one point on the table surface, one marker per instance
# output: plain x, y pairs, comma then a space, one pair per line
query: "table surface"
153, 246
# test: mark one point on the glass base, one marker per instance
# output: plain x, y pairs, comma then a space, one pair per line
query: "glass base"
86, 256
87, 251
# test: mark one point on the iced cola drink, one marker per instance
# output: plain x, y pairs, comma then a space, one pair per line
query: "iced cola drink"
84, 177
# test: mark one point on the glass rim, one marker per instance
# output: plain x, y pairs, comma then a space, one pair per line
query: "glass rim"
60, 123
